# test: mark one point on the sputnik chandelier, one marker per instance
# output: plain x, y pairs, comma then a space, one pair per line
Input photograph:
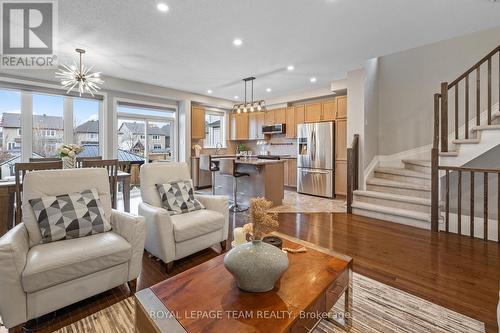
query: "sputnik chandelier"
80, 76
252, 105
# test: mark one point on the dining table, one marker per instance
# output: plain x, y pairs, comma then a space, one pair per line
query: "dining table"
8, 193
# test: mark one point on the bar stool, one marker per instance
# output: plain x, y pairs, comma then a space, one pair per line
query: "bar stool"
207, 164
228, 167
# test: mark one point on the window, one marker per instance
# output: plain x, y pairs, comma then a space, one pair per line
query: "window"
145, 132
10, 131
48, 125
214, 130
86, 125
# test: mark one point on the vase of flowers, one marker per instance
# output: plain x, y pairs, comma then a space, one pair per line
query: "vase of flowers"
256, 266
68, 153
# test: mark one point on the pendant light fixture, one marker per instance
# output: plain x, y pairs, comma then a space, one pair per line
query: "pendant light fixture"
79, 75
252, 105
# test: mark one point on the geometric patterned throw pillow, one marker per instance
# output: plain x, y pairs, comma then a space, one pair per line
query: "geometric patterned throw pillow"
69, 216
177, 197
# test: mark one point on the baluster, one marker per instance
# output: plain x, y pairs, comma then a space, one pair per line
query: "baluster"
485, 206
471, 213
456, 111
459, 207
444, 117
489, 91
447, 207
478, 96
467, 107
498, 205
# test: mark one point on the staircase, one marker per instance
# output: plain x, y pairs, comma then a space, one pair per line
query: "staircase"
400, 195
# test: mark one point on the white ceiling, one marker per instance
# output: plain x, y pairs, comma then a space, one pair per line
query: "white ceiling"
190, 47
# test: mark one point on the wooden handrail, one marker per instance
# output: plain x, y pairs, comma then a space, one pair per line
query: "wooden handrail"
468, 169
352, 171
474, 67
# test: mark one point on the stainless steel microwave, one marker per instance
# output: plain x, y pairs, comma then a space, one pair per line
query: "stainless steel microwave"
274, 129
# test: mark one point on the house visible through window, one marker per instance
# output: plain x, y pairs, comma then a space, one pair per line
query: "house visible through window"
214, 130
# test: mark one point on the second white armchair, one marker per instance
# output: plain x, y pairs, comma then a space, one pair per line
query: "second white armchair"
172, 237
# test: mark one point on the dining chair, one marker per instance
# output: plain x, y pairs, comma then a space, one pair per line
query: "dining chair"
112, 167
20, 172
44, 159
79, 160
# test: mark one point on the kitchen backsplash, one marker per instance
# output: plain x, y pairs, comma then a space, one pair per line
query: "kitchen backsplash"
278, 145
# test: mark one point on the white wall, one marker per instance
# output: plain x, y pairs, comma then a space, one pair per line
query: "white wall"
409, 79
371, 111
356, 114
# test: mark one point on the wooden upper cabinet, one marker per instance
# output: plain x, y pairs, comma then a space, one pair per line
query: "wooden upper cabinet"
313, 112
280, 116
269, 118
197, 122
341, 139
255, 123
329, 110
300, 114
242, 126
291, 128
341, 107
232, 126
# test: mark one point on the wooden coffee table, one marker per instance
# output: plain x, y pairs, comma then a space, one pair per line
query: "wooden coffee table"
206, 298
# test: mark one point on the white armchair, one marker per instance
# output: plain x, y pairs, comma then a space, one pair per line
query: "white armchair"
174, 237
36, 278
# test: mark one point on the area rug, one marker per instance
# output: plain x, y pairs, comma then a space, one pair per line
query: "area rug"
376, 308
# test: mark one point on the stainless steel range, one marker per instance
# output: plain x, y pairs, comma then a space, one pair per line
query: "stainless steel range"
316, 159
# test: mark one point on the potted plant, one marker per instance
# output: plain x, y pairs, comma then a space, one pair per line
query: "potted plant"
256, 266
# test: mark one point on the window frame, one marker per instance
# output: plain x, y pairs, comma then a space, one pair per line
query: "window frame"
222, 114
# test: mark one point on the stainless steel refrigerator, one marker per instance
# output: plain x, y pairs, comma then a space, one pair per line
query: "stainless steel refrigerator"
316, 159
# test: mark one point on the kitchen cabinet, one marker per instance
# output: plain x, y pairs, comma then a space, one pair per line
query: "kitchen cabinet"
280, 116
300, 114
255, 123
329, 110
197, 123
238, 126
242, 126
341, 139
341, 106
291, 128
313, 112
269, 118
201, 178
291, 172
341, 178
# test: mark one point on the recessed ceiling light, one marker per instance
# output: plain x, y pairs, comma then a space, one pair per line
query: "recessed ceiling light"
209, 91
162, 7
268, 89
290, 67
236, 97
237, 42
313, 79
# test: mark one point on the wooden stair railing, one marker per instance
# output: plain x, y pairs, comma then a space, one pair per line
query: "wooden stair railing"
352, 171
441, 132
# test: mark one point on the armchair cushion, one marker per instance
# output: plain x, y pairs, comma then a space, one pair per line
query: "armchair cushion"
177, 197
196, 224
43, 183
54, 263
69, 216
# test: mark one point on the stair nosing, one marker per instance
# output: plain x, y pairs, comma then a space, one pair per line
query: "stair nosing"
376, 181
393, 211
403, 172
422, 163
394, 197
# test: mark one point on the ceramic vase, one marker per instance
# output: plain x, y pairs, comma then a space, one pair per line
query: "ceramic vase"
256, 266
69, 162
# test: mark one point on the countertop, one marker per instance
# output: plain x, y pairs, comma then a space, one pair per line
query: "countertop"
256, 161
283, 157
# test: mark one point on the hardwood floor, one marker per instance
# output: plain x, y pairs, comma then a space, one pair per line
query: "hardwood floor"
458, 273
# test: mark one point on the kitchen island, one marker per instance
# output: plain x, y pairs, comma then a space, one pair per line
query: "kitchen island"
265, 180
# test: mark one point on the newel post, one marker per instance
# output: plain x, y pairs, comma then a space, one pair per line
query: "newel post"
435, 167
444, 117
